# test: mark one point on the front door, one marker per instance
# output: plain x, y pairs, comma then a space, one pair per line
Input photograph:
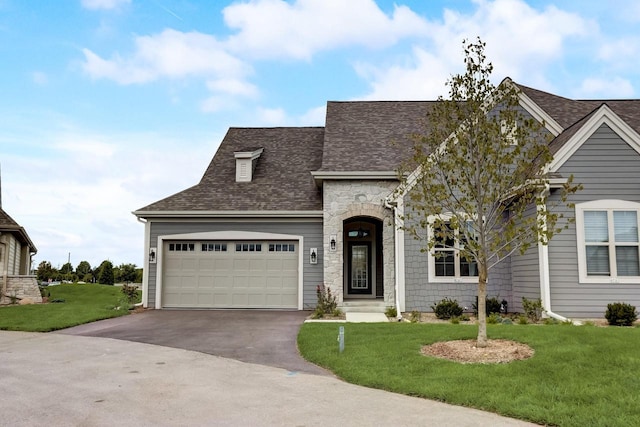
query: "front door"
359, 271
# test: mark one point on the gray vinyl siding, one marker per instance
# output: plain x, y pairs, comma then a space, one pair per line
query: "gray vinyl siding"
420, 294
608, 168
311, 231
525, 273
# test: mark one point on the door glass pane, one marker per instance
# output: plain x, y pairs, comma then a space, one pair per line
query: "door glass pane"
627, 261
598, 260
595, 226
625, 225
359, 267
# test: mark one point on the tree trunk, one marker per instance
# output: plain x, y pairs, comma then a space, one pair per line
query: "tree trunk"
482, 306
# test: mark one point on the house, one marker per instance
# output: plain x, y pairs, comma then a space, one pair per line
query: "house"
16, 250
280, 211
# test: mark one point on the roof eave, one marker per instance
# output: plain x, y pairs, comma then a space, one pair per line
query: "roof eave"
228, 214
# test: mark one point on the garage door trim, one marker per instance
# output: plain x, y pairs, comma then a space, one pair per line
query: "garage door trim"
227, 235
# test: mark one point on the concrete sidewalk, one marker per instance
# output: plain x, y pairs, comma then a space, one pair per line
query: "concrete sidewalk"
57, 379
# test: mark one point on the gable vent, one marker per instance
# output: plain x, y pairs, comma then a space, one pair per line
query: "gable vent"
246, 163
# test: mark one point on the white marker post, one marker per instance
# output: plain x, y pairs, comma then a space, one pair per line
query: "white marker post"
341, 339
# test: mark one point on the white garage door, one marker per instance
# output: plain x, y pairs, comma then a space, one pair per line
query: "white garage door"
230, 274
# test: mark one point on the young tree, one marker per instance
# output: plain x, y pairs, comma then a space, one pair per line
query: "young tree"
480, 191
106, 273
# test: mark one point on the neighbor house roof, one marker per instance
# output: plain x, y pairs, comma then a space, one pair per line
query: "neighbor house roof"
8, 224
281, 179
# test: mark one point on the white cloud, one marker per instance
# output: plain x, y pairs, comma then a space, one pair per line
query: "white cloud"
314, 117
78, 197
521, 43
233, 86
280, 29
104, 4
610, 87
170, 54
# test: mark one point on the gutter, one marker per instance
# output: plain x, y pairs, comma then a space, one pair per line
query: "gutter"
146, 265
396, 246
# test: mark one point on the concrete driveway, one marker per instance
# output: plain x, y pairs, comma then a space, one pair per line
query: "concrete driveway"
253, 336
64, 380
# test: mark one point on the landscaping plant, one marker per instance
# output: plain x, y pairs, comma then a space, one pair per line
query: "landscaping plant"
621, 314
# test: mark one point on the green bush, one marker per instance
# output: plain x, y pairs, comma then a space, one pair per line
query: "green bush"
391, 312
130, 292
327, 303
492, 306
523, 320
621, 314
415, 316
447, 308
532, 309
494, 318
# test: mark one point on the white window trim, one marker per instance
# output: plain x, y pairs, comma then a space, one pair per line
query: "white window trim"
600, 205
432, 260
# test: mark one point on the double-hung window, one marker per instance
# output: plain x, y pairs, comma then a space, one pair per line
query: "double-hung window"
608, 241
446, 260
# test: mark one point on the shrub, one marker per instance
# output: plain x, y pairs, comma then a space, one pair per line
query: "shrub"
391, 312
130, 292
327, 302
494, 318
415, 316
621, 314
523, 320
455, 320
532, 309
447, 308
492, 306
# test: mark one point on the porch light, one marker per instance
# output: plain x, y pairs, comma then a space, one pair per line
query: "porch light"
332, 242
313, 255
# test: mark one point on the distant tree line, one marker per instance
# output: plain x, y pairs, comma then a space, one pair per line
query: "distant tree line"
105, 273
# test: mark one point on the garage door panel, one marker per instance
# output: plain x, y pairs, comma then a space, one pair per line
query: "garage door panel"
208, 277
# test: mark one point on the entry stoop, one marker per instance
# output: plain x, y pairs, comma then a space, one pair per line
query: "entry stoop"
363, 306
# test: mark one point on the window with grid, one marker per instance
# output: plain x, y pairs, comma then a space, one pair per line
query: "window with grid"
446, 258
608, 239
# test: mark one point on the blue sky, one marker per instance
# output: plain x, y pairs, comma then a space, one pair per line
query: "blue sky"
109, 105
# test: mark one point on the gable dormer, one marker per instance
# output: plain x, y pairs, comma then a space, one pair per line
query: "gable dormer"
246, 163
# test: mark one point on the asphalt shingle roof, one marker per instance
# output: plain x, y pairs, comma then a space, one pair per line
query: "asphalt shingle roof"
9, 224
371, 135
281, 180
359, 136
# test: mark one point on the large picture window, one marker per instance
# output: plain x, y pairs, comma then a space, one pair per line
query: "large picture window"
446, 261
608, 241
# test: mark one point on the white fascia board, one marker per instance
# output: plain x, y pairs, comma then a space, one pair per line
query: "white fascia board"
539, 114
228, 214
248, 154
604, 115
325, 175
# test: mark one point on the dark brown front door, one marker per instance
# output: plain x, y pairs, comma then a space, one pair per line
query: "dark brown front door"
359, 263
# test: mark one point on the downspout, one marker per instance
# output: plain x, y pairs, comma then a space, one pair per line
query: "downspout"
543, 256
5, 267
396, 244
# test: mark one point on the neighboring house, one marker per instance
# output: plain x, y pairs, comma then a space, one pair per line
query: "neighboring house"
16, 250
280, 211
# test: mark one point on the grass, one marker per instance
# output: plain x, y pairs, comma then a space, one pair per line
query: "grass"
82, 304
579, 375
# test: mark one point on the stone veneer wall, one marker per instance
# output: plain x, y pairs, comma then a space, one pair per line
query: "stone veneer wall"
21, 287
351, 198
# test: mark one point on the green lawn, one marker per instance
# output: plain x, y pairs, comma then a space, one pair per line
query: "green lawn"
578, 376
82, 304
